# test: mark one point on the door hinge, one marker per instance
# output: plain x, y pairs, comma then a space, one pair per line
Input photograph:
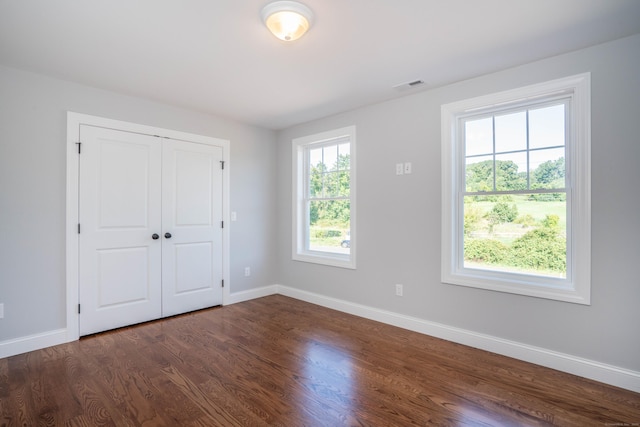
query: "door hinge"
222, 283
79, 144
222, 164
221, 224
78, 308
78, 228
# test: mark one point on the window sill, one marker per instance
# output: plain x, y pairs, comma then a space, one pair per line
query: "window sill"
325, 258
534, 286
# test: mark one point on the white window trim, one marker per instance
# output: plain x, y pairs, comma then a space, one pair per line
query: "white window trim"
299, 223
576, 288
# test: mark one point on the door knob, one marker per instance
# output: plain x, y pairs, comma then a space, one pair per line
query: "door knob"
167, 235
155, 236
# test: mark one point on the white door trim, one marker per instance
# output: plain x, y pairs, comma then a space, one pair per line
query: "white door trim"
74, 121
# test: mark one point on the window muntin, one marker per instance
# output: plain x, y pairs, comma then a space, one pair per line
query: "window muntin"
324, 198
516, 191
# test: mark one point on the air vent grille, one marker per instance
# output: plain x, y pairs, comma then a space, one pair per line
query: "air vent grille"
409, 85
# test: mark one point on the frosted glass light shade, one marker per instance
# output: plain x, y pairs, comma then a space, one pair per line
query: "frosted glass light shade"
287, 20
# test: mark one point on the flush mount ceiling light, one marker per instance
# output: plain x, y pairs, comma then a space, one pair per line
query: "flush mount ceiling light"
287, 20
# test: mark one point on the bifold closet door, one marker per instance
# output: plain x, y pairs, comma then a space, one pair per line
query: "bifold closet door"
120, 214
192, 226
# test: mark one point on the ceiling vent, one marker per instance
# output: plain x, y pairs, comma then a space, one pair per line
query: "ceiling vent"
409, 85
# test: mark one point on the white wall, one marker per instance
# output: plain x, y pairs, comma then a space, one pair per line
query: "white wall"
399, 216
32, 191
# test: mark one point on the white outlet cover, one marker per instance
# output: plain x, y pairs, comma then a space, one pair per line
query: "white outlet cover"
407, 168
399, 169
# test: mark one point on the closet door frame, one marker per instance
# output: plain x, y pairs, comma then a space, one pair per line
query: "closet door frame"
74, 121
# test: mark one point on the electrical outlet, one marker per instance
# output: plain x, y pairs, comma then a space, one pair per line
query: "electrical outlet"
247, 271
234, 216
399, 169
1, 311
399, 289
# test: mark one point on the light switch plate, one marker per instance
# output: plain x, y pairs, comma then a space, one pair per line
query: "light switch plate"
399, 169
399, 290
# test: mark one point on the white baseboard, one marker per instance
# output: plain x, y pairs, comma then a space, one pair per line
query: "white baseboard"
613, 375
251, 294
32, 342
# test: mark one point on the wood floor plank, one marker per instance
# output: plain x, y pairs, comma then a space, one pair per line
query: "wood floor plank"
276, 361
122, 366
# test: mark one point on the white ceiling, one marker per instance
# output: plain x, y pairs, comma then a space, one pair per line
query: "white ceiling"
216, 56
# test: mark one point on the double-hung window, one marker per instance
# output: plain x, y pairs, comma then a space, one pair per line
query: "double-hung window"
516, 191
324, 198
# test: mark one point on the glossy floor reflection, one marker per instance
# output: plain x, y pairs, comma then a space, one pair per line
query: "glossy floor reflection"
282, 362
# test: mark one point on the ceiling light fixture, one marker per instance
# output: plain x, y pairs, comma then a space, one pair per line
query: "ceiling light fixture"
287, 20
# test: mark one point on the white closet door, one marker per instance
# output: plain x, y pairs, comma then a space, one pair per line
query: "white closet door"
192, 226
120, 211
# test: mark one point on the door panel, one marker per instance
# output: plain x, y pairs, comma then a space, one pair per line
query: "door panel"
123, 169
122, 276
192, 214
192, 184
120, 210
193, 266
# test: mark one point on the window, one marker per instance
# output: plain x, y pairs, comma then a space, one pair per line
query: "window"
324, 198
516, 191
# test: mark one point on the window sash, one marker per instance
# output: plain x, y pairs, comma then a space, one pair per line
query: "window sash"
462, 192
335, 142
542, 102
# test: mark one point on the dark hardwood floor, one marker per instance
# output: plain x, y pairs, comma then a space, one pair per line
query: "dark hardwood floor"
282, 362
